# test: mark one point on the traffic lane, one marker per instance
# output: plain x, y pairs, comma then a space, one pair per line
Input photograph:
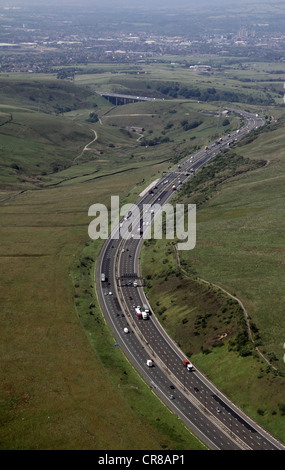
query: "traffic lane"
226, 415
207, 398
199, 160
163, 350
193, 384
155, 375
143, 332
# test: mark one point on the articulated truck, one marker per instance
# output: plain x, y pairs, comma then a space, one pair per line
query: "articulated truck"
145, 312
138, 313
142, 312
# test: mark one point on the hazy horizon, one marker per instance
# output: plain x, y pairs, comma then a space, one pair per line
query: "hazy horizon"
186, 4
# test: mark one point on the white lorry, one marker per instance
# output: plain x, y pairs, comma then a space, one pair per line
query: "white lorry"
145, 312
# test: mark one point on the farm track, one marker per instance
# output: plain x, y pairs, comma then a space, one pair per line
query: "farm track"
246, 316
86, 148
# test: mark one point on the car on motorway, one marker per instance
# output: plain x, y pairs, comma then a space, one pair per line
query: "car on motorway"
122, 321
172, 386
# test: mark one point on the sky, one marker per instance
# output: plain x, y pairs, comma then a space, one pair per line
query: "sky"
171, 4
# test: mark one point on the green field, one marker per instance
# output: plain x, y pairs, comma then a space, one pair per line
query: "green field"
60, 389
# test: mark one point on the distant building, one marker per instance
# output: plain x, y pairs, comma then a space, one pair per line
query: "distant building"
200, 68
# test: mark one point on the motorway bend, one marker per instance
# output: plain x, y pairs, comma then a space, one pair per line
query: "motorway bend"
211, 416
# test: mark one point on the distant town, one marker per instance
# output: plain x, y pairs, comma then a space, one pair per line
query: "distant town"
41, 42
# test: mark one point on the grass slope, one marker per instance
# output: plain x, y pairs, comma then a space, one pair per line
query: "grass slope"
60, 389
56, 351
240, 247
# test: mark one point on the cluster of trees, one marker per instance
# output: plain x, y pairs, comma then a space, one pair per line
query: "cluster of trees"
155, 141
93, 117
225, 165
190, 125
209, 94
241, 344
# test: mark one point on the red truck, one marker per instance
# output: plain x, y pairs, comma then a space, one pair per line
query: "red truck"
187, 364
138, 313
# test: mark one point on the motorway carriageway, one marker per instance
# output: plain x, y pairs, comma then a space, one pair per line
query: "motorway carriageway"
203, 408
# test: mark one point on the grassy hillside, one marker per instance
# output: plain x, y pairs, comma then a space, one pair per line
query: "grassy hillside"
35, 144
240, 248
59, 387
41, 147
245, 218
233, 80
45, 94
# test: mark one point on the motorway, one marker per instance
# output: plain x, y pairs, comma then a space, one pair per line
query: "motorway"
127, 97
211, 416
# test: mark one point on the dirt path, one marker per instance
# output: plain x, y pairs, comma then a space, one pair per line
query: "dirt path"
87, 146
13, 195
233, 297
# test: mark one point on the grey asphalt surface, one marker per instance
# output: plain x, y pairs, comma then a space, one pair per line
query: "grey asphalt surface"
203, 408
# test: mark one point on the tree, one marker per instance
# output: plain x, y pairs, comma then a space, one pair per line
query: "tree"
93, 117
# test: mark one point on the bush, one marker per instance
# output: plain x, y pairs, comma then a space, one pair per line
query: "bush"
93, 117
245, 351
226, 122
